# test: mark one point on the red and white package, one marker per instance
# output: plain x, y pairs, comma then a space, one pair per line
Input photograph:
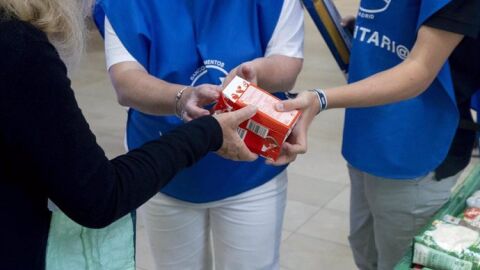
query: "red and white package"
471, 215
268, 129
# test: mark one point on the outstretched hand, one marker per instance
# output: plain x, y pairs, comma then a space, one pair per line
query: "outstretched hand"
195, 98
348, 23
233, 146
296, 143
245, 71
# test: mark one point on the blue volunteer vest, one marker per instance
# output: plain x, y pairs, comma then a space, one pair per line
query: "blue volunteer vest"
407, 139
192, 43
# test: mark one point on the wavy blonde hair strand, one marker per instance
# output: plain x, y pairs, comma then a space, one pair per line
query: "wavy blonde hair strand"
62, 20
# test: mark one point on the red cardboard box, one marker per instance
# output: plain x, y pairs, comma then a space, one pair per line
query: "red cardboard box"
268, 129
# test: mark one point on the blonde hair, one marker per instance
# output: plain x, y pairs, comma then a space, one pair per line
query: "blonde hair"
62, 20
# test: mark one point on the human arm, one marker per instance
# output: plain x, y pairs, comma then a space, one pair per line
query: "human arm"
274, 73
406, 80
283, 59
138, 89
45, 130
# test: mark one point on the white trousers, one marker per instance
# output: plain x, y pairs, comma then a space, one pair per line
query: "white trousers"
245, 230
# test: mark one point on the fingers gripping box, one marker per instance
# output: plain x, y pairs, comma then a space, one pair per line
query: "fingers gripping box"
268, 129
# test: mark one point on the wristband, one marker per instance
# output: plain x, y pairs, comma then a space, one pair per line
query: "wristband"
291, 95
322, 99
178, 96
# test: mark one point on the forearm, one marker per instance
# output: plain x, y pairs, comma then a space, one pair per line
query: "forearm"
402, 82
406, 80
44, 125
137, 89
125, 183
277, 72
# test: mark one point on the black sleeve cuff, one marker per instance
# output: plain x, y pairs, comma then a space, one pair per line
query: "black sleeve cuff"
215, 131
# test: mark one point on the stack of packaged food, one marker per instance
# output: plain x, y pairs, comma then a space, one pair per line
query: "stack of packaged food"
451, 243
450, 240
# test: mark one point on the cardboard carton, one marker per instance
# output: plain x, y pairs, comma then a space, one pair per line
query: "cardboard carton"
268, 129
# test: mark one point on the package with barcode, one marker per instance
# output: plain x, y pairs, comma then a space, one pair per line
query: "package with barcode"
268, 129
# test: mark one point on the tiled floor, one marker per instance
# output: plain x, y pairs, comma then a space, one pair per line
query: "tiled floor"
316, 221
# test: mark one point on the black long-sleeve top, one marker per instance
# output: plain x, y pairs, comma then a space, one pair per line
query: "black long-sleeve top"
48, 151
462, 17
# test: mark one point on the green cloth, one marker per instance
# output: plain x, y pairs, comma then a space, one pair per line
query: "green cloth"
74, 247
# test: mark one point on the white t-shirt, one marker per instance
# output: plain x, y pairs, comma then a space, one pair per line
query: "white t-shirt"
287, 38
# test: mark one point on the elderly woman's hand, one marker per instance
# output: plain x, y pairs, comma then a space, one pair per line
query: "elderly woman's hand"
233, 146
246, 71
196, 98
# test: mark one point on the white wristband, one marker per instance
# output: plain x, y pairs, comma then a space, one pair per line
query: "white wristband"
322, 99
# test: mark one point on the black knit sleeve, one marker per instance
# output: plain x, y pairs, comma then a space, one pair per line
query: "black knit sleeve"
45, 126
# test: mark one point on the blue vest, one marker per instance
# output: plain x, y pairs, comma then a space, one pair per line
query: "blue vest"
192, 43
407, 139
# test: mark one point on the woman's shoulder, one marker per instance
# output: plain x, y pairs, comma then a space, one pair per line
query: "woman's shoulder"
18, 37
12, 39
18, 34
21, 44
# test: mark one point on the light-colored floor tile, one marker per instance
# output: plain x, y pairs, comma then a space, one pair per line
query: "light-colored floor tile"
101, 89
309, 253
322, 161
327, 129
297, 213
331, 225
286, 234
341, 202
111, 145
311, 191
347, 7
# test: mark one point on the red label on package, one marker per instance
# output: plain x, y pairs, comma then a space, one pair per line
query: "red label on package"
267, 130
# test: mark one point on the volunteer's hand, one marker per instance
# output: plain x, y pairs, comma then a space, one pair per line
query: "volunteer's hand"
348, 23
246, 71
233, 146
195, 98
296, 143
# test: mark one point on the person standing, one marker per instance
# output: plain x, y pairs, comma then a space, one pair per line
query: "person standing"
413, 69
167, 60
48, 150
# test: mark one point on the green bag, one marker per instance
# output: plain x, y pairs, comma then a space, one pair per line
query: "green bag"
74, 247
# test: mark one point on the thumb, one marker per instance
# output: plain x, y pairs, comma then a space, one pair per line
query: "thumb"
247, 72
290, 105
244, 114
